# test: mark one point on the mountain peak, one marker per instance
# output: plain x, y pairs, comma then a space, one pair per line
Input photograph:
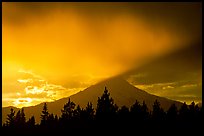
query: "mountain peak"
113, 82
121, 91
113, 79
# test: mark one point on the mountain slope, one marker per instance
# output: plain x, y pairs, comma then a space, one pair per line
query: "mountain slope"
120, 90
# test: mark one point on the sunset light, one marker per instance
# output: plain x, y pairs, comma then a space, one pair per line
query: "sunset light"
109, 67
54, 50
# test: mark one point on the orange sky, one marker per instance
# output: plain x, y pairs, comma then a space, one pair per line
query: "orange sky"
50, 52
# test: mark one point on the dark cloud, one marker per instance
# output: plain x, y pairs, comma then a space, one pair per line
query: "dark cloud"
186, 17
184, 65
176, 76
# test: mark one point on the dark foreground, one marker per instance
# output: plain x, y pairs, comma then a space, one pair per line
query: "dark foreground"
108, 119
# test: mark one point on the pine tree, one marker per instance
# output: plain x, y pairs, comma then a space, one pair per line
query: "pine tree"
56, 118
51, 120
106, 109
158, 113
123, 113
23, 118
144, 111
56, 121
89, 110
11, 118
77, 113
31, 122
197, 111
172, 113
44, 115
68, 110
17, 120
184, 112
192, 110
136, 111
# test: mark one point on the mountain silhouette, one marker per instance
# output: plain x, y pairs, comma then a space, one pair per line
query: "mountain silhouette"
120, 90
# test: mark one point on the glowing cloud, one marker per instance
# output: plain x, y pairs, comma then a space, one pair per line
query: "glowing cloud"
87, 42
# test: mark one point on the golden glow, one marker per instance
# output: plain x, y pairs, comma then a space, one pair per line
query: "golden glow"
173, 91
70, 45
36, 90
23, 102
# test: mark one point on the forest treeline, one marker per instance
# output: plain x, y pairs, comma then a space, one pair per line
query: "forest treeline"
106, 116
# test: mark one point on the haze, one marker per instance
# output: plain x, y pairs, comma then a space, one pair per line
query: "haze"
53, 50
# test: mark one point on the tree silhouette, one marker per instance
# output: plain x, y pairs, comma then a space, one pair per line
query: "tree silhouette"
89, 112
10, 118
144, 112
194, 112
31, 122
107, 117
136, 112
158, 113
20, 119
51, 120
197, 110
184, 112
123, 111
56, 118
68, 110
23, 118
17, 120
106, 109
10, 122
172, 113
77, 113
123, 114
44, 115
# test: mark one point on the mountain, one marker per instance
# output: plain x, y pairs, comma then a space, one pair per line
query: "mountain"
120, 90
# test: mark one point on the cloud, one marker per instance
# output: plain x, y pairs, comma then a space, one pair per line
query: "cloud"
36, 90
29, 73
189, 85
167, 87
187, 98
184, 65
22, 101
25, 80
101, 40
118, 35
179, 15
157, 88
181, 91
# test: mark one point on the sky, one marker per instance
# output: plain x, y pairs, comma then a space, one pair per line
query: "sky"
54, 50
178, 75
